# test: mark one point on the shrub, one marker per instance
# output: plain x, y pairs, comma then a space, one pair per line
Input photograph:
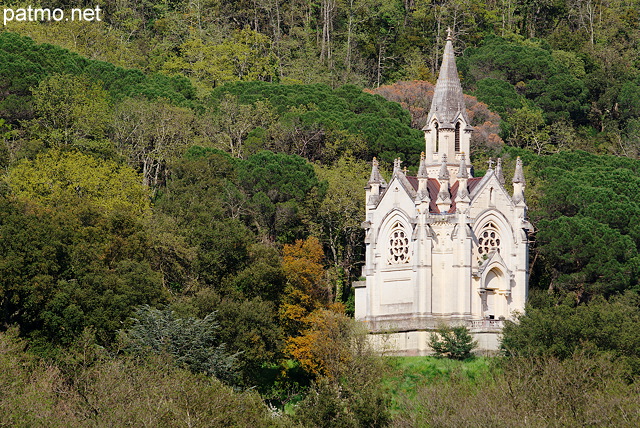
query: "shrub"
452, 342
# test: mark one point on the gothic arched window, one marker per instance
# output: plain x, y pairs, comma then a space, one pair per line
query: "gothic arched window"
457, 138
437, 128
398, 245
488, 239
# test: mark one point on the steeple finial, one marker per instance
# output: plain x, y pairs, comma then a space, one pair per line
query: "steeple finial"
462, 170
422, 169
444, 171
498, 172
449, 37
375, 177
518, 175
491, 162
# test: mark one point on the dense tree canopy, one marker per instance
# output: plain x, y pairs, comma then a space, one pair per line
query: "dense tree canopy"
182, 159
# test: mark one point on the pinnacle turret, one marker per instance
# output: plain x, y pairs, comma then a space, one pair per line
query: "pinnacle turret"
375, 177
444, 171
397, 164
498, 172
518, 175
423, 180
422, 169
462, 170
444, 196
518, 183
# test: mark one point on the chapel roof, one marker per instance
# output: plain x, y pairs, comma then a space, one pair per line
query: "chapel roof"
433, 187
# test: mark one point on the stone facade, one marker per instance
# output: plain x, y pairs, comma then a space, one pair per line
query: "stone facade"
444, 246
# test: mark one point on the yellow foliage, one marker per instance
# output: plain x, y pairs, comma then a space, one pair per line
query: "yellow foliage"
306, 288
324, 348
60, 178
302, 264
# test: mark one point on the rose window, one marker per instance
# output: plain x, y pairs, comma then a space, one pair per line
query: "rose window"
398, 245
488, 240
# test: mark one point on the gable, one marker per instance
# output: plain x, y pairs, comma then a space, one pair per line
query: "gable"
489, 192
399, 193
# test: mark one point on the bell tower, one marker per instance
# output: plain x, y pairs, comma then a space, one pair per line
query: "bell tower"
448, 129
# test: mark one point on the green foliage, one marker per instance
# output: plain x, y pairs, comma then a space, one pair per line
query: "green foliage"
499, 95
70, 108
349, 392
70, 178
278, 185
91, 388
383, 125
69, 267
26, 64
521, 392
598, 327
452, 342
246, 55
152, 134
191, 342
508, 73
588, 238
250, 330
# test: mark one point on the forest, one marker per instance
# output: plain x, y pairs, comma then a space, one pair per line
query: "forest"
182, 191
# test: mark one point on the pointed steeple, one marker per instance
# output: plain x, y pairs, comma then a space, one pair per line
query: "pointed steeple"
498, 172
448, 101
448, 130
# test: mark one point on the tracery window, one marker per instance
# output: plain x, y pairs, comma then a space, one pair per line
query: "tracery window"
488, 239
398, 245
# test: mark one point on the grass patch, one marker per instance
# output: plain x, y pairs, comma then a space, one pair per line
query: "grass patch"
407, 374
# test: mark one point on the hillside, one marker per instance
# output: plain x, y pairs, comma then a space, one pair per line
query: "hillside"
182, 195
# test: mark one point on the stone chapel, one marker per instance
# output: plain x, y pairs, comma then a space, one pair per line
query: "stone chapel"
443, 246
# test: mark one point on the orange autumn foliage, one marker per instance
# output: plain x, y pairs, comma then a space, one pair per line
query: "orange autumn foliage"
324, 348
306, 288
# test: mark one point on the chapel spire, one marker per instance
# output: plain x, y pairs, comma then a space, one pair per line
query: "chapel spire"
448, 129
448, 101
